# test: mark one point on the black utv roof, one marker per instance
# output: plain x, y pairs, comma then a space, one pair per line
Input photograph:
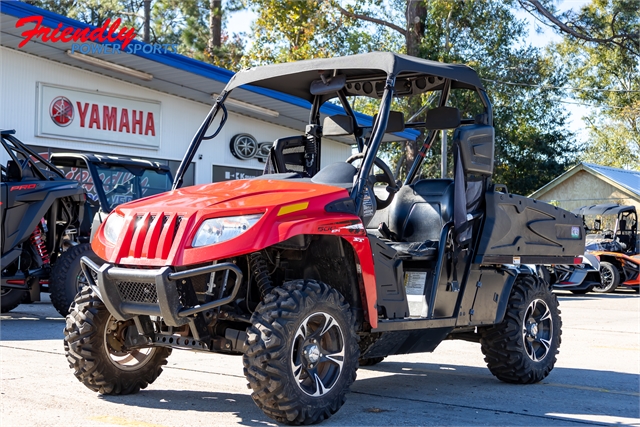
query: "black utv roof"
294, 78
604, 209
68, 159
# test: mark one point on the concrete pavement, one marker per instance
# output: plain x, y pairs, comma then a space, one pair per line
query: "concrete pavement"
595, 381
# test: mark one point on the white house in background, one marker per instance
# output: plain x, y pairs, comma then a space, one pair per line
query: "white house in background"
590, 184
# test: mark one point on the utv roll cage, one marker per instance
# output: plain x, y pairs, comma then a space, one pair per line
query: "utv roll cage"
625, 223
93, 162
379, 75
22, 163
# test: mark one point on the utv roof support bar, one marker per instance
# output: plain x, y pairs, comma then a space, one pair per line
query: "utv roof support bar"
347, 108
431, 136
371, 150
197, 139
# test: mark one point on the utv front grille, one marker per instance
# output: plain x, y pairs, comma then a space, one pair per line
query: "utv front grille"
138, 292
153, 236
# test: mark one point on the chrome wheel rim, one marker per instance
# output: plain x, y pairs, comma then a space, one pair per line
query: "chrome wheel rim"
81, 282
317, 354
126, 360
537, 330
606, 278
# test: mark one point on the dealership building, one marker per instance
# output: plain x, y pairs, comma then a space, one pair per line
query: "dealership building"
140, 101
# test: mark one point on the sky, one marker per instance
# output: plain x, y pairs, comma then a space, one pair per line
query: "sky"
540, 36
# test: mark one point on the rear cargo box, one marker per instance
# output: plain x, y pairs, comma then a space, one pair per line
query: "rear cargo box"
522, 230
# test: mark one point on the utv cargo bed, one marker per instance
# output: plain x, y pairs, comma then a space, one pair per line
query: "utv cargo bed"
519, 230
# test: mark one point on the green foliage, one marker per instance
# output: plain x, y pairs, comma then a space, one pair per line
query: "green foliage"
533, 145
295, 30
613, 70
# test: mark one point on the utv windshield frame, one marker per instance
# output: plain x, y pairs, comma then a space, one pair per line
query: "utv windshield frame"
94, 163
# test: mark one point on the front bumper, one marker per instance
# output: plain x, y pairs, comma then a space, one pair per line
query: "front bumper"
129, 292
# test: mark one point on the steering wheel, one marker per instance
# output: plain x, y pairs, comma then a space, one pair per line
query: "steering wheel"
385, 177
607, 234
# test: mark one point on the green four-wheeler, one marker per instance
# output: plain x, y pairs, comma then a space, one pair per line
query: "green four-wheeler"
308, 272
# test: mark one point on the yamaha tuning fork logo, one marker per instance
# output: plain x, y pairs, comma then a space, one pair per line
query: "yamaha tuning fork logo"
61, 111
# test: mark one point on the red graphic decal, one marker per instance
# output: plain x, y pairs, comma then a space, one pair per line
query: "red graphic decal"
61, 111
348, 226
23, 187
107, 32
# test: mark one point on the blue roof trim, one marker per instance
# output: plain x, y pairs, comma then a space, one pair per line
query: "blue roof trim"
629, 179
51, 19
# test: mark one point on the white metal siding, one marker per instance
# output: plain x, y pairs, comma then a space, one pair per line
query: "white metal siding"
19, 73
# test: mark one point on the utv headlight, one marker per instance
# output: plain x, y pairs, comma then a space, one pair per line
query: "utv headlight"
218, 230
113, 227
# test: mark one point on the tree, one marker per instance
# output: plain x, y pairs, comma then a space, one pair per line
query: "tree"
533, 145
605, 72
609, 23
203, 34
294, 30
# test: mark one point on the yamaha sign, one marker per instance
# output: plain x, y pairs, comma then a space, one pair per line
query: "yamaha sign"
75, 114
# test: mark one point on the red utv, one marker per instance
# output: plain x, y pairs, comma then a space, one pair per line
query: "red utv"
307, 271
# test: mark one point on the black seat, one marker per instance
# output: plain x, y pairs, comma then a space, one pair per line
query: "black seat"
417, 216
287, 155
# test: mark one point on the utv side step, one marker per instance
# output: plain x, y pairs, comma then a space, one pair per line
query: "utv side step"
409, 324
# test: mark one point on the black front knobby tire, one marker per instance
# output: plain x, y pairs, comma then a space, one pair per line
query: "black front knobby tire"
273, 340
67, 278
11, 298
505, 346
94, 361
609, 278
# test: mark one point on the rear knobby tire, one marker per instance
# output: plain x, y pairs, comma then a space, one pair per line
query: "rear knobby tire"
609, 278
67, 278
302, 352
11, 298
92, 351
522, 349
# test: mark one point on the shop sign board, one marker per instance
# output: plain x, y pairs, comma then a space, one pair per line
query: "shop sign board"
226, 173
64, 112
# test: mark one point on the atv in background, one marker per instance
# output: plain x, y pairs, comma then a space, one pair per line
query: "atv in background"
578, 278
40, 211
48, 258
306, 271
612, 236
108, 182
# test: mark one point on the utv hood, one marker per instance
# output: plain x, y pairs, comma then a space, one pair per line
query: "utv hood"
159, 230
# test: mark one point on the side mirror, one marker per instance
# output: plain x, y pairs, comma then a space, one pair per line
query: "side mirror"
441, 118
597, 224
328, 85
337, 125
395, 123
